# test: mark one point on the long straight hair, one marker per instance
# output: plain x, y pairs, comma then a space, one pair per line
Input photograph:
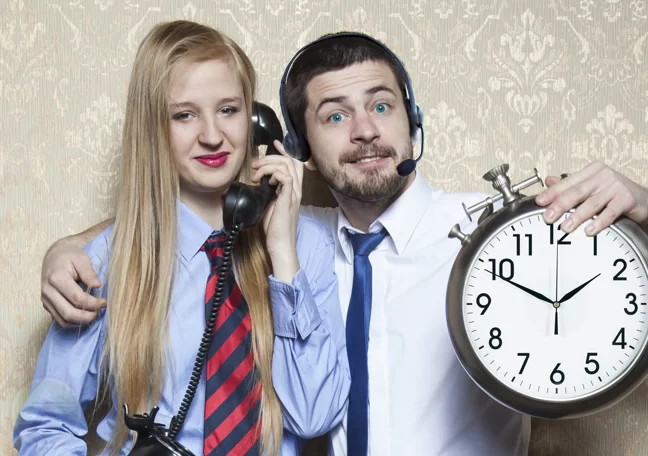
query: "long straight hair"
143, 253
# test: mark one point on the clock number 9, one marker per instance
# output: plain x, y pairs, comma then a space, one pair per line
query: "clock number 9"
485, 305
495, 341
557, 372
633, 302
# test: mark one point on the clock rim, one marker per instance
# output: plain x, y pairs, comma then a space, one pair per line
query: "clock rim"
469, 359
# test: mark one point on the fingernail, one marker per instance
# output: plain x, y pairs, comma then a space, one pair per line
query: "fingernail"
589, 229
567, 225
541, 198
549, 215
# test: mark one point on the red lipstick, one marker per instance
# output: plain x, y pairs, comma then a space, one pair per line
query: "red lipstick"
213, 160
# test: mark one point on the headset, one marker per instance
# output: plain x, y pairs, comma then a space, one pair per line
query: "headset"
296, 144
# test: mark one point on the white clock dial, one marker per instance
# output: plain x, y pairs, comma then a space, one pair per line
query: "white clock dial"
553, 316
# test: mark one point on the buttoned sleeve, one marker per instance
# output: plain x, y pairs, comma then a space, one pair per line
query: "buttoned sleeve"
310, 368
65, 381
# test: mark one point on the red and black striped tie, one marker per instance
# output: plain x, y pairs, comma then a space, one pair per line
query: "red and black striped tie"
233, 392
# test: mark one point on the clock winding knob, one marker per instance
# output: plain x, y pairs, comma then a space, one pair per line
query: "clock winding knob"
456, 232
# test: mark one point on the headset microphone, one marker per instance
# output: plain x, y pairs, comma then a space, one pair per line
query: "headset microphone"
406, 167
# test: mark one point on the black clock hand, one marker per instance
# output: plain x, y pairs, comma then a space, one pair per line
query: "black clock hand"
556, 304
535, 294
577, 289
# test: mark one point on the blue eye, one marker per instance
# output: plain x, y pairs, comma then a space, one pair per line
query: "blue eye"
381, 108
336, 118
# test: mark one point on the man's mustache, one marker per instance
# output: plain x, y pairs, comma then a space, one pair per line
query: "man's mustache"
368, 150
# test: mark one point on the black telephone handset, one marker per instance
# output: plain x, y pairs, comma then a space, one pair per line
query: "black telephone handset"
243, 205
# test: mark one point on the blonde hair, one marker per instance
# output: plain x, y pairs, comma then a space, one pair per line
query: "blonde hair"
143, 253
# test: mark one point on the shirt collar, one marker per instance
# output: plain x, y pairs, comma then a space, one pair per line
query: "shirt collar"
192, 232
400, 219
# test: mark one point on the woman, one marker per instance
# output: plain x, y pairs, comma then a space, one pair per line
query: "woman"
187, 137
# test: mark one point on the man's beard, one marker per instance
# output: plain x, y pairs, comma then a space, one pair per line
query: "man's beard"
373, 185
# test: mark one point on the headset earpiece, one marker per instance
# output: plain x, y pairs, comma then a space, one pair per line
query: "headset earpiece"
419, 115
290, 147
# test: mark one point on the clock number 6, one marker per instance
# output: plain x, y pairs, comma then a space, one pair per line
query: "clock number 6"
495, 341
559, 373
590, 360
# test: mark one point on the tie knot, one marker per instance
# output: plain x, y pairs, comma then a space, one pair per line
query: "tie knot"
363, 244
213, 247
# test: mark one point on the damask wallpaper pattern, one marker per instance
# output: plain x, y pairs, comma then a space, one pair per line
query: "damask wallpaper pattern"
551, 84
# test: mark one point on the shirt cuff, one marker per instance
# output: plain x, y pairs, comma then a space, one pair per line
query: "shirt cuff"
293, 307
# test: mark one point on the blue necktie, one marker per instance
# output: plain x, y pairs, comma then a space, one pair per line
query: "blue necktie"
357, 336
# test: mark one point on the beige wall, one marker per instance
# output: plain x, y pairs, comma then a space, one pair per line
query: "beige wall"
551, 84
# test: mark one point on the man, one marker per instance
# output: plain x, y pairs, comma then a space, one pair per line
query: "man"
345, 96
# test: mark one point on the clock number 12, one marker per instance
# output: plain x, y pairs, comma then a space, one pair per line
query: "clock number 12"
562, 240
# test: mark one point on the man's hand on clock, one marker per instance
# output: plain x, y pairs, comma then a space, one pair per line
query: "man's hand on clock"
596, 189
576, 290
525, 289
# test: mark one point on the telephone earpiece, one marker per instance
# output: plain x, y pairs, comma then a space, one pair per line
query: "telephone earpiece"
244, 205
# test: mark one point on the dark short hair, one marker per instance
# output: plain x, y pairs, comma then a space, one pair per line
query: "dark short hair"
330, 55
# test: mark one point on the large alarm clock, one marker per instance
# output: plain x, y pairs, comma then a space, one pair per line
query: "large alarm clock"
550, 324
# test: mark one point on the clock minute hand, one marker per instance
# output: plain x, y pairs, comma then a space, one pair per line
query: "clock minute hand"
577, 289
535, 294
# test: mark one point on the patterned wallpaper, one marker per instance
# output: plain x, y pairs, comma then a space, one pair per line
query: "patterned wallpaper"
551, 84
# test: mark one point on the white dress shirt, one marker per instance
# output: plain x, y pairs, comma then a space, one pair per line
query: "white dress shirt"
421, 401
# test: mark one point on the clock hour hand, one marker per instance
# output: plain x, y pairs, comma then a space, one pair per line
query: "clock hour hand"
577, 289
533, 293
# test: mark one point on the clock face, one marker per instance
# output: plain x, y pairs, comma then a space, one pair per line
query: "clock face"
556, 316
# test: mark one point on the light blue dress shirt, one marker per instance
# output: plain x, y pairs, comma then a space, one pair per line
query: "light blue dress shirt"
310, 368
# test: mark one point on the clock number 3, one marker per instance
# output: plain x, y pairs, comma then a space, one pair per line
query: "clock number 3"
633, 302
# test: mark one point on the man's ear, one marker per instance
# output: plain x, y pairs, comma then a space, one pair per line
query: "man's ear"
310, 164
